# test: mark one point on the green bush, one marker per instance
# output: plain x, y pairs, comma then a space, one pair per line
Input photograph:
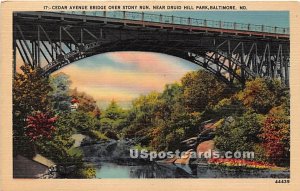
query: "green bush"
98, 135
87, 172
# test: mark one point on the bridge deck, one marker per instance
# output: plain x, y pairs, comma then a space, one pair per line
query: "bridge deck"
167, 22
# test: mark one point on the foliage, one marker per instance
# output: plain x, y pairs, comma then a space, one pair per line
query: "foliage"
30, 94
86, 102
60, 98
233, 162
228, 107
261, 121
82, 122
75, 151
87, 172
141, 117
241, 134
261, 95
276, 135
39, 126
161, 120
35, 100
56, 148
113, 120
202, 90
98, 135
259, 118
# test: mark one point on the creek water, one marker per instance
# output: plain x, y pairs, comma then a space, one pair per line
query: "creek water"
111, 160
114, 170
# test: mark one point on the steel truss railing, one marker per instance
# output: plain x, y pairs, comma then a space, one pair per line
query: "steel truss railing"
159, 18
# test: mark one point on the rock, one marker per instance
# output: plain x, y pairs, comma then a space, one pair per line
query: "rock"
206, 135
208, 131
206, 146
168, 160
189, 141
78, 139
185, 159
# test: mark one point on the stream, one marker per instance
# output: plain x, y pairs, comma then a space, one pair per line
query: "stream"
111, 160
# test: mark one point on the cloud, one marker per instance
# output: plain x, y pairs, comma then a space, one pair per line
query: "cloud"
149, 62
124, 76
137, 82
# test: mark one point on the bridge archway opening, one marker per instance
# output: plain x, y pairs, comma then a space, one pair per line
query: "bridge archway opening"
124, 75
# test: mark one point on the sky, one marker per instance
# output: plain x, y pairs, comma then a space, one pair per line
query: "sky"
269, 18
123, 76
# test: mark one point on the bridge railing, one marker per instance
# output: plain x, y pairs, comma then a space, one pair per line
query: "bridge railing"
151, 17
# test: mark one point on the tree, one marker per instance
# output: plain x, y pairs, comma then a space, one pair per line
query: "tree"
276, 135
30, 94
60, 98
141, 116
97, 113
113, 120
160, 120
39, 126
86, 102
113, 111
261, 95
229, 107
172, 95
169, 132
240, 134
202, 90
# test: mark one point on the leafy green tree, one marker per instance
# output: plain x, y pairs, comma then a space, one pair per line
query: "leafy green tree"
241, 134
202, 90
60, 98
228, 107
113, 120
83, 122
141, 117
168, 133
171, 96
261, 95
160, 120
56, 148
113, 111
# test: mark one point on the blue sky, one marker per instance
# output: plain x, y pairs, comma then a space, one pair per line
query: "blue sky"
271, 18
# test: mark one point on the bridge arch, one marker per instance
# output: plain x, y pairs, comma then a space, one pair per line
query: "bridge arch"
230, 54
209, 60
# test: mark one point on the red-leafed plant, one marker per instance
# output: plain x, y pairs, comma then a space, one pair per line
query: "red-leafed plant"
40, 125
232, 162
276, 136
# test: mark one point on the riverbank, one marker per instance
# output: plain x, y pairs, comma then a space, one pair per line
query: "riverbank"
111, 159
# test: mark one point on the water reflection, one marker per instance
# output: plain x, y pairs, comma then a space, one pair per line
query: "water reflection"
113, 170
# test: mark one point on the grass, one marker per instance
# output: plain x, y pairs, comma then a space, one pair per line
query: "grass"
75, 151
139, 147
97, 135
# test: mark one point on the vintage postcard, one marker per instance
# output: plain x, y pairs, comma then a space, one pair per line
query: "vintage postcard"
146, 95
